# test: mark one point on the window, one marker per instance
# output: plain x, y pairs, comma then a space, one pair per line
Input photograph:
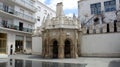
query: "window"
21, 12
4, 23
38, 18
45, 12
51, 14
6, 7
28, 43
20, 26
110, 6
30, 13
95, 8
39, 8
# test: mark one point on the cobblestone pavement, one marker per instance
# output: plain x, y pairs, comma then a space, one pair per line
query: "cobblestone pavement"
89, 61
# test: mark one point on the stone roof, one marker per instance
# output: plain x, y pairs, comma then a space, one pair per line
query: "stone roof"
61, 21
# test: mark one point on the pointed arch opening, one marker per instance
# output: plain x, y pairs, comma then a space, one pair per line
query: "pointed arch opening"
55, 49
67, 51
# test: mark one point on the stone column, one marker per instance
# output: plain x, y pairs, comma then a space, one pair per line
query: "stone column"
50, 51
79, 43
43, 45
61, 51
47, 45
61, 45
76, 50
76, 44
24, 44
72, 50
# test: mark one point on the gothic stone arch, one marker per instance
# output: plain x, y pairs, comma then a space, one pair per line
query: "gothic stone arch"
54, 46
67, 48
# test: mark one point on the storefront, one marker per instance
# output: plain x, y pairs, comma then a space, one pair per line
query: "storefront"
19, 47
3, 41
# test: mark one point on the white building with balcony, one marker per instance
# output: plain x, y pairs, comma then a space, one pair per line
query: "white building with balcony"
16, 23
98, 11
42, 12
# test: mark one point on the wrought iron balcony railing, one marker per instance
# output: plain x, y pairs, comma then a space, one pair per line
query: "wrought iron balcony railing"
15, 27
25, 4
18, 14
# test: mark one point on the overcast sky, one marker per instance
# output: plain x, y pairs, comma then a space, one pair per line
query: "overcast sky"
69, 6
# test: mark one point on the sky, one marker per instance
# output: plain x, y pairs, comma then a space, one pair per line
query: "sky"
69, 6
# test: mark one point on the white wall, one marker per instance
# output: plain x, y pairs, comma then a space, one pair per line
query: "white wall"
101, 44
37, 45
10, 41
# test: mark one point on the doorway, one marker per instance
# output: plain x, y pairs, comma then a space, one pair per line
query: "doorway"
18, 46
55, 49
67, 52
20, 26
11, 49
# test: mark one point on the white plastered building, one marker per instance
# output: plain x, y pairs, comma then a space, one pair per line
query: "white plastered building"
42, 12
16, 23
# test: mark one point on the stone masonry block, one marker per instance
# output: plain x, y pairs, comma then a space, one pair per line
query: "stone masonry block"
104, 28
111, 27
118, 26
84, 30
97, 29
91, 29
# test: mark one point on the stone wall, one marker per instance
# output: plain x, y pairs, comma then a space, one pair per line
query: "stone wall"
101, 45
101, 40
60, 36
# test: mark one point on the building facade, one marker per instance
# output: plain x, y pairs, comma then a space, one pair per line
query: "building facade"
16, 23
94, 12
60, 36
42, 12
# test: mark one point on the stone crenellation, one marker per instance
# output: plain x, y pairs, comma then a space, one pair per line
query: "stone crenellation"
102, 28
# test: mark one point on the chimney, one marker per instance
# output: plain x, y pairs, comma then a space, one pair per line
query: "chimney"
59, 9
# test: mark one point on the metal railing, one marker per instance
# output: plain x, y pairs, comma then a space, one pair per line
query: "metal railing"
88, 21
18, 14
25, 4
15, 27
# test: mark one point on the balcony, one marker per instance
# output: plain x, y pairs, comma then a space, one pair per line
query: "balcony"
25, 4
15, 27
18, 14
